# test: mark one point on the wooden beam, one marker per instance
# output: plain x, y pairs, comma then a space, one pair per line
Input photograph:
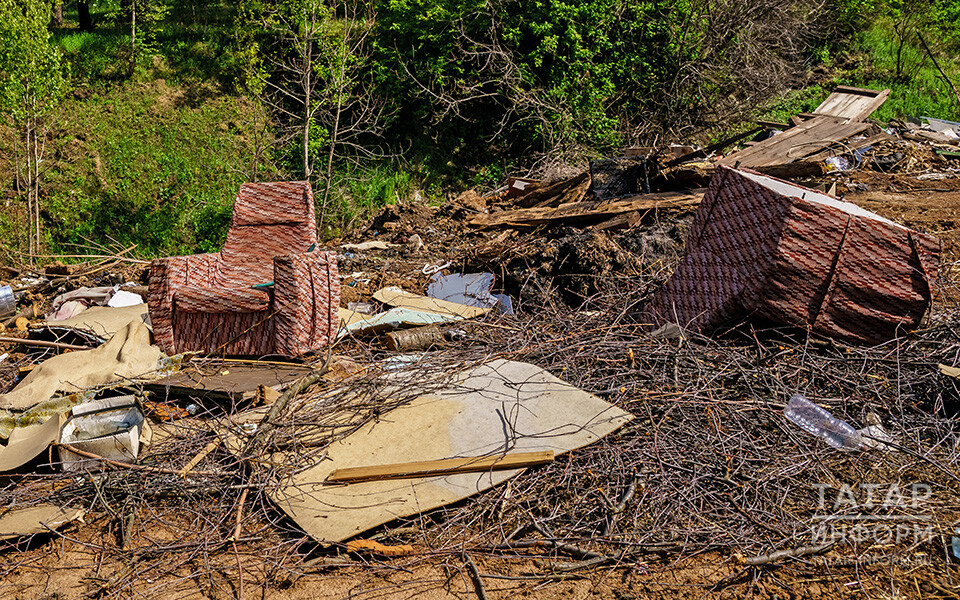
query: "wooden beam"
445, 466
578, 212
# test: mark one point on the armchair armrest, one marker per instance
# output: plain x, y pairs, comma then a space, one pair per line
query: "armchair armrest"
306, 300
166, 275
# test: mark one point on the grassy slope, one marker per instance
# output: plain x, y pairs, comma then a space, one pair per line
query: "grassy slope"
919, 92
152, 158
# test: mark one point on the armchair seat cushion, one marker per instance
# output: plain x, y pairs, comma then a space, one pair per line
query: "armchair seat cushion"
201, 299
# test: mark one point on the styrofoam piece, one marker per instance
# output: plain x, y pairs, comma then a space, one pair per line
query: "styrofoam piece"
109, 428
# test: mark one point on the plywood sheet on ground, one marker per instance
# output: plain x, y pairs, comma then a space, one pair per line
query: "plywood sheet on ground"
495, 408
227, 379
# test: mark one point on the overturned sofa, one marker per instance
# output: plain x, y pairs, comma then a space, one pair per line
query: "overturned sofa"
764, 247
266, 292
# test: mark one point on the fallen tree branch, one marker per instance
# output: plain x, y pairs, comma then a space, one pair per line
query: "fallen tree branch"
782, 555
476, 578
43, 344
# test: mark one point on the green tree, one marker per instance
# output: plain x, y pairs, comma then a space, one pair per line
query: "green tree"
314, 60
32, 85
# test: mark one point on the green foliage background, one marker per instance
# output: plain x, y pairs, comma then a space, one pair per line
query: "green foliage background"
150, 143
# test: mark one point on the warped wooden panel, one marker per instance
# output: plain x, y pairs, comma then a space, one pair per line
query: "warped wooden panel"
810, 137
852, 103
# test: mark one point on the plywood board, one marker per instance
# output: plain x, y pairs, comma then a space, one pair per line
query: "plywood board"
501, 407
226, 380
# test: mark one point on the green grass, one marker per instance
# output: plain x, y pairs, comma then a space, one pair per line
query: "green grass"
919, 91
146, 164
356, 194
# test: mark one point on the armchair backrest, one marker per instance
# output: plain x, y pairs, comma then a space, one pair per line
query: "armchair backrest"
270, 219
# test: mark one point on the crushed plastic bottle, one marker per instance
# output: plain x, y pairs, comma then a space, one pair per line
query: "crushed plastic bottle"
819, 422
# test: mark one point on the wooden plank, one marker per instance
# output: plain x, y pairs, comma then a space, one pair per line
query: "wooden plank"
774, 124
852, 103
588, 210
797, 143
621, 221
714, 147
773, 150
849, 146
846, 89
444, 466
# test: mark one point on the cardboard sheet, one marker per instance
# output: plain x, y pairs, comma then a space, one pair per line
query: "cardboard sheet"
395, 296
498, 407
21, 522
127, 354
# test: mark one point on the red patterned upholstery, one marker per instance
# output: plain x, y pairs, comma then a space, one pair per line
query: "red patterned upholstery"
762, 246
207, 302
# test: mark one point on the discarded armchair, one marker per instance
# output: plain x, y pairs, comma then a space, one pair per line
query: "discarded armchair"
265, 292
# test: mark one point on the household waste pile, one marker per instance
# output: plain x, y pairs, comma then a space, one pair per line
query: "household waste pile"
499, 415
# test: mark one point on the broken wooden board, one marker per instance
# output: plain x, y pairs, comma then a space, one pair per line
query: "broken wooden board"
589, 211
852, 103
227, 381
797, 143
561, 192
503, 406
852, 145
401, 298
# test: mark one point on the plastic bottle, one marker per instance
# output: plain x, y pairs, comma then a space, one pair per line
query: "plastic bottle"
819, 422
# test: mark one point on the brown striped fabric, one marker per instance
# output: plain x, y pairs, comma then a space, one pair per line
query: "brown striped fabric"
763, 246
207, 302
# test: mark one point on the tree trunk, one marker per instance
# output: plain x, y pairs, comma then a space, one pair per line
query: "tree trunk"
37, 153
56, 19
333, 134
307, 83
133, 35
83, 15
